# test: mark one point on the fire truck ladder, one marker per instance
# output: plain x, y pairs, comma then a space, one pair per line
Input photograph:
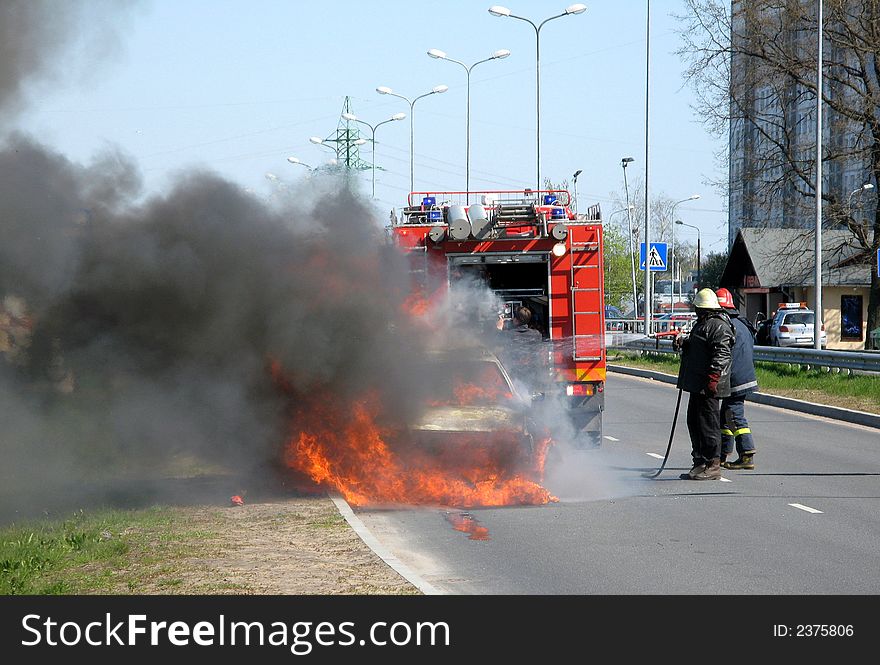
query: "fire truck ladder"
418, 265
588, 299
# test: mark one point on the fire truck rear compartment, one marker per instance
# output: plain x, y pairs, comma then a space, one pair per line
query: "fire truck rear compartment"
517, 279
521, 279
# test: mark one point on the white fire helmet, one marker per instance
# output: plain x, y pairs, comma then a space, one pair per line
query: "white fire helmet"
706, 299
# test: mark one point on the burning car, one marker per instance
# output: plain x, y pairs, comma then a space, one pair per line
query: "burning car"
469, 400
470, 441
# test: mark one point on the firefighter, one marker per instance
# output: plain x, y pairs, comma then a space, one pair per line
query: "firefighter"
735, 428
520, 349
705, 375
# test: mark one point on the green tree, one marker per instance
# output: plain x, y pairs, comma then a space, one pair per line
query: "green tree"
618, 282
711, 270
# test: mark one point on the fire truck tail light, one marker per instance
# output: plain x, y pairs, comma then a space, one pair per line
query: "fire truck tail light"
579, 389
600, 388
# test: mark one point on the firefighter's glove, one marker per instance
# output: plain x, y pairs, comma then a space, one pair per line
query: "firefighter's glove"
712, 385
678, 343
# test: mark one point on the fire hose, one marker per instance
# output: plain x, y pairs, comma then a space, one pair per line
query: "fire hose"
671, 434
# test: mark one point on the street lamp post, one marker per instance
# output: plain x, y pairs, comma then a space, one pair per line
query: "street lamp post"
353, 118
498, 10
817, 325
317, 140
693, 197
385, 90
294, 160
691, 226
864, 188
648, 303
632, 256
615, 212
575, 178
441, 55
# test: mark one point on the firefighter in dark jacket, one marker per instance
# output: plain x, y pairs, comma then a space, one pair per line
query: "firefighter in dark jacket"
519, 348
735, 428
705, 375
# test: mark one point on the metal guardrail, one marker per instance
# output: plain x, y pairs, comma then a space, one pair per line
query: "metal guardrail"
658, 324
865, 361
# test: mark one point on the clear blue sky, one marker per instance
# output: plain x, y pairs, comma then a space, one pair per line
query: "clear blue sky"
239, 86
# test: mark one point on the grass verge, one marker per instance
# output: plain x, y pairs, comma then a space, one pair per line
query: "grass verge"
109, 551
292, 545
858, 392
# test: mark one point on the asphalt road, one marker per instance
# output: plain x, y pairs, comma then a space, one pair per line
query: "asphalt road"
613, 531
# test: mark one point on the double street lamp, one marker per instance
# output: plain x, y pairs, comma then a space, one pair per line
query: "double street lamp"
441, 55
504, 12
353, 118
385, 90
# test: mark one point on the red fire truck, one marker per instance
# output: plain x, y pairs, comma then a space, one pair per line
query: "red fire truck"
530, 249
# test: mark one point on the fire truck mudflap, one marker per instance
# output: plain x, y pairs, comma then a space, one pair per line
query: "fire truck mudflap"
528, 248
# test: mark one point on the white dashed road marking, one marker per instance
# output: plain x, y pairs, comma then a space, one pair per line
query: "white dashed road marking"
655, 455
801, 506
725, 480
611, 438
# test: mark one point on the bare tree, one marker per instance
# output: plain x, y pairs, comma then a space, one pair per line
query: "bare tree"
752, 65
661, 212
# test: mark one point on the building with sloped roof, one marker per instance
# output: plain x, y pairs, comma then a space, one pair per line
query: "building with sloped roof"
770, 266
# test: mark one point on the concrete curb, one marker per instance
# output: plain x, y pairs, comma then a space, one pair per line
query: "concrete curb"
379, 550
833, 412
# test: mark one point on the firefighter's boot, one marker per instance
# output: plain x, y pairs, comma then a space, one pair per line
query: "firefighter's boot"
745, 461
699, 467
711, 472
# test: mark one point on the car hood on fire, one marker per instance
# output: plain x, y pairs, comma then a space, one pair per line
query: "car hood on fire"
469, 419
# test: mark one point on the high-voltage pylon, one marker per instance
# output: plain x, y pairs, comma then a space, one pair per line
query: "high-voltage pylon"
347, 140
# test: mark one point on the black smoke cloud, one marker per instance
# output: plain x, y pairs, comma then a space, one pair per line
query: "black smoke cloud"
38, 36
155, 323
137, 335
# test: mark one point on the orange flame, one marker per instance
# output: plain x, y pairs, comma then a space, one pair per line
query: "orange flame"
467, 524
420, 304
490, 389
368, 465
469, 394
416, 305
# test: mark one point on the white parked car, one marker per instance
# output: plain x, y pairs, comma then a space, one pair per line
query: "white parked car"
793, 326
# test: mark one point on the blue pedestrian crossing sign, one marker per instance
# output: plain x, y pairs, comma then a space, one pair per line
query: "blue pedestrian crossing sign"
656, 257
